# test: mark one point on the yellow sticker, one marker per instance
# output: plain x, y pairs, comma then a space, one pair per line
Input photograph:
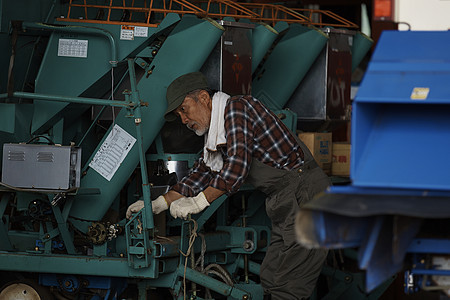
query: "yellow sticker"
420, 93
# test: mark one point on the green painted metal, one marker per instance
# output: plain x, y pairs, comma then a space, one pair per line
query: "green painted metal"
287, 65
78, 30
148, 214
64, 230
361, 45
81, 265
281, 26
212, 283
5, 244
37, 11
80, 100
253, 267
263, 37
8, 117
184, 50
15, 122
79, 74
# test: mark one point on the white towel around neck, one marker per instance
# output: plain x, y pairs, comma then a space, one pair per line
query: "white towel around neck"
216, 133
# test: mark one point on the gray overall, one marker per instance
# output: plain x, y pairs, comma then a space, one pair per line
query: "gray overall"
289, 271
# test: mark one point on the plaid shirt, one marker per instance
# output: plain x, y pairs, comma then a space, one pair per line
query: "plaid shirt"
252, 132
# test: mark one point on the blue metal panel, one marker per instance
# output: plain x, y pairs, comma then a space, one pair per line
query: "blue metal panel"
400, 139
439, 246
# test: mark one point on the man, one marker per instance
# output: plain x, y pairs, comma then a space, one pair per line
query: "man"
246, 142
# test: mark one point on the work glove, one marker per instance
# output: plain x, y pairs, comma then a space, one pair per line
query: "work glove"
188, 205
158, 205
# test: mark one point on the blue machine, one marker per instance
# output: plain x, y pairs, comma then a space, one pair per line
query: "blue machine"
395, 211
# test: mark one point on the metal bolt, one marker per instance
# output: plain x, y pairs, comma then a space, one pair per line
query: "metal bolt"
154, 52
47, 236
137, 120
36, 248
121, 255
245, 297
149, 72
143, 64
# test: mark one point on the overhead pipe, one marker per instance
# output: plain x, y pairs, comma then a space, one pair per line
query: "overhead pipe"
77, 29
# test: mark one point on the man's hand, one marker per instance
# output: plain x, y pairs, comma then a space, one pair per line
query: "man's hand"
158, 205
192, 205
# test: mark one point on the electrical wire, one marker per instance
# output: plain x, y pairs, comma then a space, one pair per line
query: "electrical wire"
41, 136
112, 95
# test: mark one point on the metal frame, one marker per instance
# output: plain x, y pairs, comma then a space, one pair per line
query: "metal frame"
257, 12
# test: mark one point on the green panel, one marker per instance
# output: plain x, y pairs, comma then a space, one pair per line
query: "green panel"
38, 11
185, 50
81, 265
71, 76
287, 65
361, 45
7, 117
28, 10
263, 37
14, 123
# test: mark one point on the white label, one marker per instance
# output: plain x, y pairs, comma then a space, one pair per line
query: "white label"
112, 152
127, 32
140, 31
72, 48
420, 93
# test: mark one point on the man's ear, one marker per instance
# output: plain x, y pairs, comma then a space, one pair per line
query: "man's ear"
204, 97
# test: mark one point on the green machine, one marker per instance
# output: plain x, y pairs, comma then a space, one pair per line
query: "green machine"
82, 98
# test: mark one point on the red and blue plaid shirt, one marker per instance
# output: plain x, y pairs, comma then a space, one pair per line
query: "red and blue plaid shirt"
252, 132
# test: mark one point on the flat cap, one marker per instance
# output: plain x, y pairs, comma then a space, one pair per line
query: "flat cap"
179, 88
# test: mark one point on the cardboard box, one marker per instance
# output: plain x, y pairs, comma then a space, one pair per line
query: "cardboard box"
341, 159
319, 143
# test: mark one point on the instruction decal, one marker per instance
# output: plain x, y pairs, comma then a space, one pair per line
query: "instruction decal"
130, 32
420, 93
112, 152
72, 48
127, 32
140, 31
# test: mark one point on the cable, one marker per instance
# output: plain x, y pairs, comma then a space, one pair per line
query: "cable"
188, 252
226, 277
41, 136
112, 95
201, 259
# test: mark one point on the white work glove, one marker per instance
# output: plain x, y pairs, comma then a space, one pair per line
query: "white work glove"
191, 205
158, 205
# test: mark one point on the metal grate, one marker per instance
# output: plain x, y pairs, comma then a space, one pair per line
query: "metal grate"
16, 155
44, 156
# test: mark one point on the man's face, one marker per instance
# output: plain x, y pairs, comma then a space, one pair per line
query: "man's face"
196, 115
